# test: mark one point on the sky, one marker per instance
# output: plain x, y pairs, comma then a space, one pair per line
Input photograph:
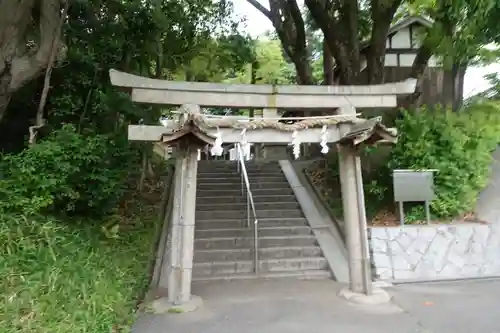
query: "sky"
257, 24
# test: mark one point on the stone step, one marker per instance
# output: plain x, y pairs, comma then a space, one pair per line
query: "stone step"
237, 186
248, 232
243, 206
261, 214
236, 174
250, 169
218, 192
227, 162
237, 179
264, 253
265, 265
240, 199
247, 242
241, 223
296, 275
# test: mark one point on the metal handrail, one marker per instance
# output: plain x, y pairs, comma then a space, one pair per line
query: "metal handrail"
250, 206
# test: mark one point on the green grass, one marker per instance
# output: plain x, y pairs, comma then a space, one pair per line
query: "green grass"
70, 277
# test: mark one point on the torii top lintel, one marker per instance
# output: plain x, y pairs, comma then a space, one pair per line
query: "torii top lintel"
156, 91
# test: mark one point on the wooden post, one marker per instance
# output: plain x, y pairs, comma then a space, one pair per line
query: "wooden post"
182, 232
355, 221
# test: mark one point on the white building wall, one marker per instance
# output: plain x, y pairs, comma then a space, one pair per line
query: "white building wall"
401, 39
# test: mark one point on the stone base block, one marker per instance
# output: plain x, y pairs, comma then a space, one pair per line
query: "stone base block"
275, 152
378, 296
163, 306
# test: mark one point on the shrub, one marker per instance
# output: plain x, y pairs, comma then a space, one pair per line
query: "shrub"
458, 145
67, 172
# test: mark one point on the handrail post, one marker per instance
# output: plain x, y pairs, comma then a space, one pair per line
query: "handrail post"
249, 206
248, 211
256, 246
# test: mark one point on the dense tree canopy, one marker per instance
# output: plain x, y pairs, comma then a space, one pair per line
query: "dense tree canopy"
461, 30
201, 40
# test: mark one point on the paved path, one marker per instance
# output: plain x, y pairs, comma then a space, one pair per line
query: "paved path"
313, 306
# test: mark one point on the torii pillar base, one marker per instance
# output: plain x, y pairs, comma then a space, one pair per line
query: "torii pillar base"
163, 306
376, 297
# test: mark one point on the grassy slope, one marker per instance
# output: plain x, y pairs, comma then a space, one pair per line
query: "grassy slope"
61, 277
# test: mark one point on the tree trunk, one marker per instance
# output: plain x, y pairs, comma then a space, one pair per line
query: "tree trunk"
339, 25
18, 63
382, 14
5, 98
254, 66
457, 74
327, 65
304, 70
144, 164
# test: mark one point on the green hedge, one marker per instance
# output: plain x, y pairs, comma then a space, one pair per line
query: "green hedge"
458, 145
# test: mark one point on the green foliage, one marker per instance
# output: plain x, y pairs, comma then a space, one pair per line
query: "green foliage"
68, 172
462, 28
272, 67
63, 278
458, 145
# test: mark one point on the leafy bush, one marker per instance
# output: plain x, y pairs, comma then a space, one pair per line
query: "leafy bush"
67, 172
458, 145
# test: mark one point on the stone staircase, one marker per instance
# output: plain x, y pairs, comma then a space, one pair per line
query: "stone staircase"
223, 243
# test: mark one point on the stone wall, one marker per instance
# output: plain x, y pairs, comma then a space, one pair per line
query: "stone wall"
467, 250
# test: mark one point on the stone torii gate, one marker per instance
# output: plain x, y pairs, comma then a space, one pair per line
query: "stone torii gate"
192, 130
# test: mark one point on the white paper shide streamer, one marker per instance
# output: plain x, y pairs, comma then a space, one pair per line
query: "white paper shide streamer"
245, 146
296, 144
324, 140
217, 147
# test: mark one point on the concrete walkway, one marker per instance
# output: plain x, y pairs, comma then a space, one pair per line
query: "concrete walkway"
290, 306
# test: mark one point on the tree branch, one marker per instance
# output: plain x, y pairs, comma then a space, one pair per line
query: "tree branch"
261, 8
289, 25
56, 37
300, 30
424, 53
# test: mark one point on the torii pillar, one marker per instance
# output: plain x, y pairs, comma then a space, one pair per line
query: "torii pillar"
186, 140
360, 278
180, 264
